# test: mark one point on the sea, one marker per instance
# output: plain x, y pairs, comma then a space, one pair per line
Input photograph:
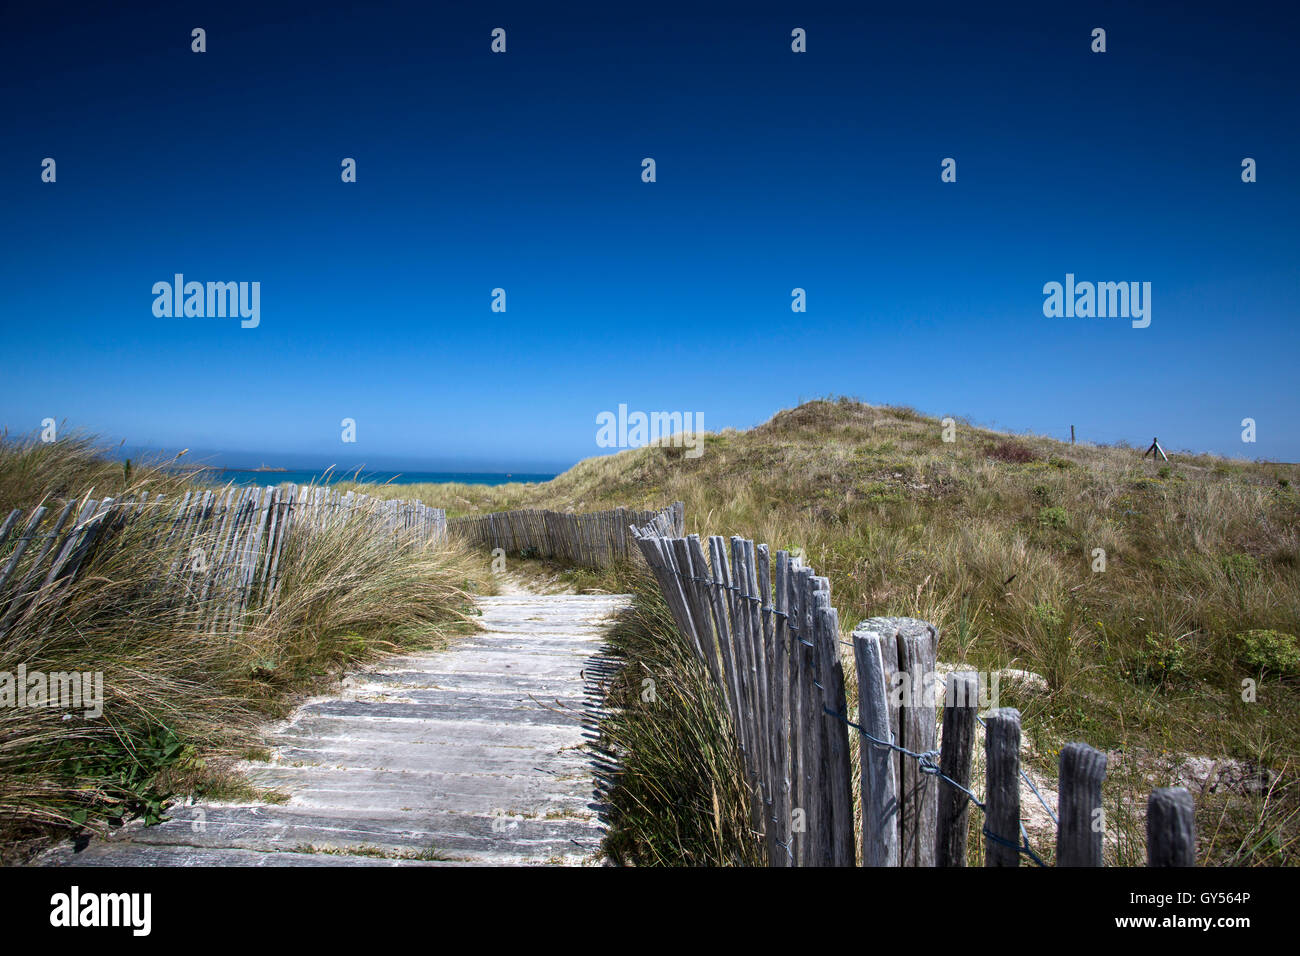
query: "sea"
300, 477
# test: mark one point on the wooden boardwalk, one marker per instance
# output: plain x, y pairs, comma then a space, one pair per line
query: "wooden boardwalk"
473, 755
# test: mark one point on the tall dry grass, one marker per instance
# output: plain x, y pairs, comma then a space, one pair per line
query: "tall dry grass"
182, 698
681, 797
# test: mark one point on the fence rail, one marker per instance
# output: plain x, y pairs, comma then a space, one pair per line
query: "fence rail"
225, 543
764, 627
593, 539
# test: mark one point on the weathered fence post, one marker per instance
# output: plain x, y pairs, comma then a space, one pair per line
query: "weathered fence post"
810, 718
879, 785
908, 653
918, 791
955, 749
781, 703
1079, 831
1002, 802
1171, 828
839, 771
798, 709
772, 727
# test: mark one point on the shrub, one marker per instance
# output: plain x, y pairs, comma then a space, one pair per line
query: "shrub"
1159, 659
1012, 451
1053, 517
1239, 567
1265, 651
1047, 615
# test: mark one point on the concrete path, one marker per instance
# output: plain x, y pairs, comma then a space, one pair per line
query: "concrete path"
476, 754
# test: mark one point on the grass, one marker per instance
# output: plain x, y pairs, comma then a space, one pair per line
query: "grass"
1149, 596
680, 797
182, 703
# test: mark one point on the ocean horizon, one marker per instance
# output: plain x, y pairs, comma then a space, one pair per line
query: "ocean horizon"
304, 476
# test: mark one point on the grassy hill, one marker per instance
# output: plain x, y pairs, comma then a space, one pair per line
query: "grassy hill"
996, 539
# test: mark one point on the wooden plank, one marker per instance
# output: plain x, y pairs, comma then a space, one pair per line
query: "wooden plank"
224, 579
1171, 828
191, 534
50, 538
69, 558
698, 597
215, 553
715, 620
74, 537
274, 510
98, 525
21, 544
8, 526
1079, 831
798, 742
22, 597
250, 558
839, 775
726, 638
685, 592
744, 652
675, 593
879, 783
917, 791
818, 841
961, 703
1002, 788
286, 525
180, 515
823, 788
771, 707
888, 628
748, 585
173, 522
802, 611
780, 650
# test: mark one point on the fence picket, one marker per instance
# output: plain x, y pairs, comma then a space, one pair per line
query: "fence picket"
591, 539
1002, 802
1171, 828
955, 752
879, 783
1078, 838
917, 790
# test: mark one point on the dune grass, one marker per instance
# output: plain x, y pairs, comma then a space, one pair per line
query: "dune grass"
668, 725
181, 701
995, 539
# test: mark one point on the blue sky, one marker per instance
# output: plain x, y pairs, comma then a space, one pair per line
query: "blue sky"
522, 171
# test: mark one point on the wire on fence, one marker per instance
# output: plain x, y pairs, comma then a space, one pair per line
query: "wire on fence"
928, 762
1025, 777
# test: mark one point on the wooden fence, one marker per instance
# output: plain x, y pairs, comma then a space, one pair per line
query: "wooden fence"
593, 539
764, 627
224, 544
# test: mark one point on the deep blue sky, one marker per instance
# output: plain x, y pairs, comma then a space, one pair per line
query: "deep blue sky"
775, 170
